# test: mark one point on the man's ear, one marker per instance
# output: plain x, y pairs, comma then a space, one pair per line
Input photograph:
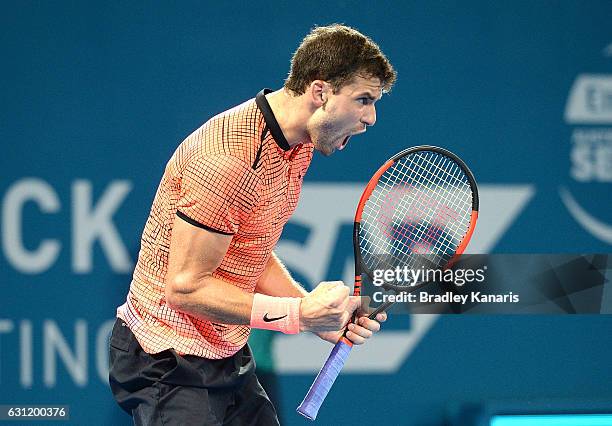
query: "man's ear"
318, 91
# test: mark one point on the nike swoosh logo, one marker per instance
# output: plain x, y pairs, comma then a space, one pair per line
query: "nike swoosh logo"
267, 319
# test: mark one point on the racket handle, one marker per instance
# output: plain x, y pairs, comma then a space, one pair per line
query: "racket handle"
325, 379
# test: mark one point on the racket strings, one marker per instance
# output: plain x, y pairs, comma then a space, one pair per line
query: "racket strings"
457, 181
420, 206
451, 192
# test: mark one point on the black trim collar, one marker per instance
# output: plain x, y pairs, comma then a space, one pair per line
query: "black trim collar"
272, 124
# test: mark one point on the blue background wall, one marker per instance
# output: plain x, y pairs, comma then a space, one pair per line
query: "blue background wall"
97, 96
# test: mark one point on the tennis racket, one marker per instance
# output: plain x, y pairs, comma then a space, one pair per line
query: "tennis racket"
419, 209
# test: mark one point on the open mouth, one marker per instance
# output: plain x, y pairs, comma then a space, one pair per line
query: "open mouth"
344, 143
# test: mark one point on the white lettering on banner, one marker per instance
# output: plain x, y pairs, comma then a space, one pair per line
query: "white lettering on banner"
25, 354
590, 100
90, 223
24, 260
591, 155
55, 347
55, 344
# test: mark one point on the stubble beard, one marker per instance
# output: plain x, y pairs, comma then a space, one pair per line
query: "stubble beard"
325, 139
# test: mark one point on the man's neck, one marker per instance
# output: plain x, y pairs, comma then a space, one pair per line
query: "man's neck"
291, 115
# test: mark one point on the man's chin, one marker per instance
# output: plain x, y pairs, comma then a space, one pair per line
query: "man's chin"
326, 150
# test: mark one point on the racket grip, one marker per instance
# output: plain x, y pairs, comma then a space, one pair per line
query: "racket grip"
324, 381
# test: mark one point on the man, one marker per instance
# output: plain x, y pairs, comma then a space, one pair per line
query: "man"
206, 273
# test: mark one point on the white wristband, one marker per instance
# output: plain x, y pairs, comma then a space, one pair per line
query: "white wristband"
276, 313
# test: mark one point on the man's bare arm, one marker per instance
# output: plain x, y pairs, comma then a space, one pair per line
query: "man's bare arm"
195, 253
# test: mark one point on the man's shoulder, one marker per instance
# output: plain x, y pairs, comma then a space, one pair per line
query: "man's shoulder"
235, 132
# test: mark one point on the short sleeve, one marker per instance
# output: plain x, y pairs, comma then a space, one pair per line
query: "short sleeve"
217, 193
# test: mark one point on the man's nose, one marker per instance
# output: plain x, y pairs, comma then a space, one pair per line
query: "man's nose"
369, 118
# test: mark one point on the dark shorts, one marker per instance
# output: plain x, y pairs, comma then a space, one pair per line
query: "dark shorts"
170, 389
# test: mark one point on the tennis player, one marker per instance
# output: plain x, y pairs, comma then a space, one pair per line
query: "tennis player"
206, 272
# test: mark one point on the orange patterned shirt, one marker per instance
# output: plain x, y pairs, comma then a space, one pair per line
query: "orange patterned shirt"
234, 175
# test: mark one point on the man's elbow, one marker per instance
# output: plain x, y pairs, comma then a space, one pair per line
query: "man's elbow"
180, 290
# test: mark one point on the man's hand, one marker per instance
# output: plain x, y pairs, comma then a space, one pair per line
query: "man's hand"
327, 308
358, 332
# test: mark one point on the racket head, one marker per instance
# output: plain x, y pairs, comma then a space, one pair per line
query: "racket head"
420, 207
418, 210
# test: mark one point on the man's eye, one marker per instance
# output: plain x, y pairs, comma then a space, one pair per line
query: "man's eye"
364, 101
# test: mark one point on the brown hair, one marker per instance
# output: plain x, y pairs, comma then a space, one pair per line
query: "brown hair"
336, 54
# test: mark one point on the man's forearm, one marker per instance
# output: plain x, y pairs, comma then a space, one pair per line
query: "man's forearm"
276, 281
214, 300
217, 301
